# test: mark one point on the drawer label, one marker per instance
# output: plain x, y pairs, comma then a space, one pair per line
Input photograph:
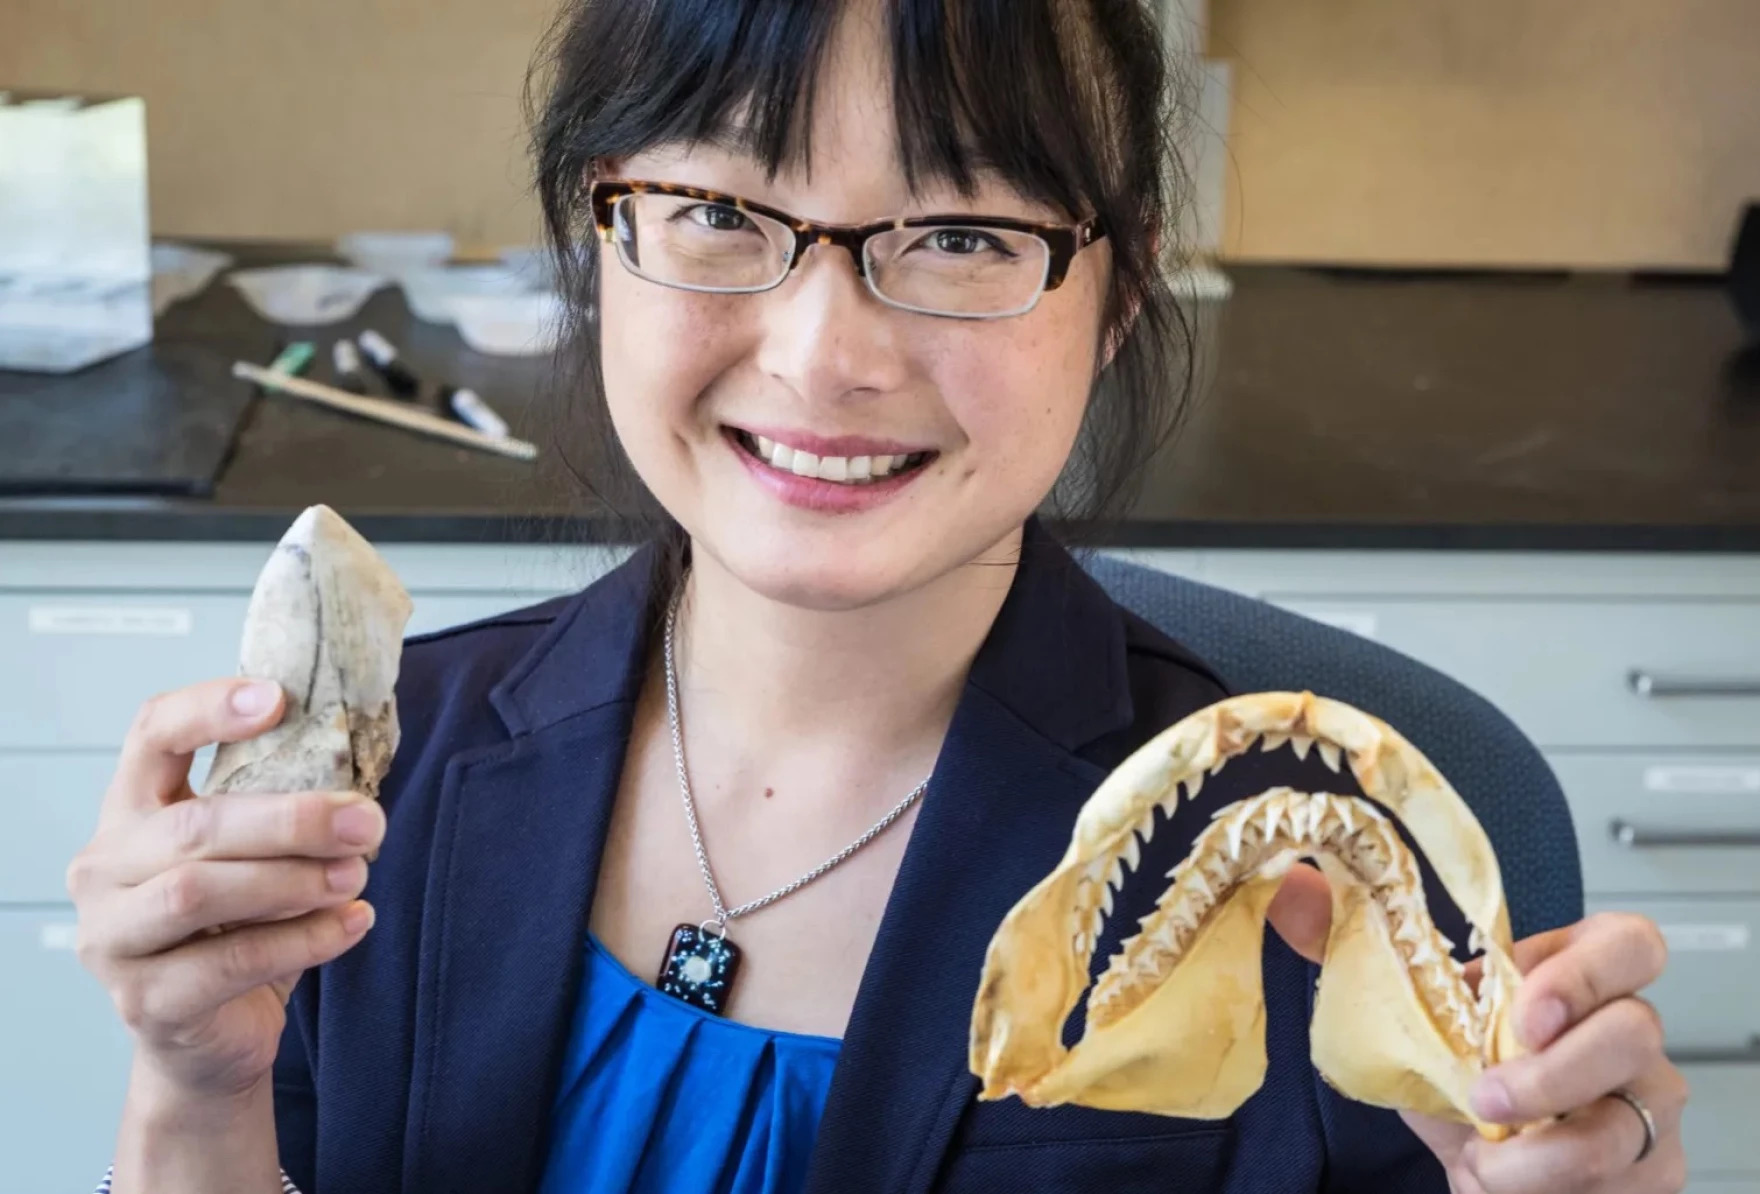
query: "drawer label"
1706, 938
110, 619
63, 936
1705, 780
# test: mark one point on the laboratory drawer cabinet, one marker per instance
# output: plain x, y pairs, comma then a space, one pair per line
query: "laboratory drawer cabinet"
64, 1058
1614, 674
1654, 822
94, 657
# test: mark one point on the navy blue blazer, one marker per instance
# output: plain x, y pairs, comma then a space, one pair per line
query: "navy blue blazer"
426, 1059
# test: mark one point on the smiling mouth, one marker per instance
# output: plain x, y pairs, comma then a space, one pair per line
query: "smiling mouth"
840, 470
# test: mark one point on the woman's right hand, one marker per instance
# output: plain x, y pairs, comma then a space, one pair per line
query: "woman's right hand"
165, 868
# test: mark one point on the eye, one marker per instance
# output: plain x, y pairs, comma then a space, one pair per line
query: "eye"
717, 217
964, 242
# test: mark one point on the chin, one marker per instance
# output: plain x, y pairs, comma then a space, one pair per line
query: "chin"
835, 564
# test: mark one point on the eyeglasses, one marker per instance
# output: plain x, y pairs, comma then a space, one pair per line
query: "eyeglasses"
963, 267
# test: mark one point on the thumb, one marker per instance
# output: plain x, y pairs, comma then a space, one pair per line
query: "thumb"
1301, 911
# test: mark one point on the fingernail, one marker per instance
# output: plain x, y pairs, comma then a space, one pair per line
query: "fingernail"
254, 699
357, 824
359, 917
342, 874
1491, 1099
1546, 1021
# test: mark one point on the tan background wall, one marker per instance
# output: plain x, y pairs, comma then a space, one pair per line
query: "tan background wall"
1589, 132
1576, 132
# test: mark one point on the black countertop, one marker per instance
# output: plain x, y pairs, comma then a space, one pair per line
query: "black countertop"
1345, 410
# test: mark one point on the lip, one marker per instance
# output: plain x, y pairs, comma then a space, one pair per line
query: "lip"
833, 445
810, 493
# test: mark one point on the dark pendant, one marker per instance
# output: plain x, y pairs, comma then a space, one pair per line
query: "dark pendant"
699, 968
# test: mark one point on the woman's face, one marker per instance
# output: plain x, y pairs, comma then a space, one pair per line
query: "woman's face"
822, 366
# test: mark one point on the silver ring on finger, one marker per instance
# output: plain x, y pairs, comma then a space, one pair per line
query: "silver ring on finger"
1631, 1100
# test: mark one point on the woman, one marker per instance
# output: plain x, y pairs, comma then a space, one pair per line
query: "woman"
848, 595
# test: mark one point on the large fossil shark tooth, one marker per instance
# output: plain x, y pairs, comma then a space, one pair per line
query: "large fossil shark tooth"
325, 622
1175, 1024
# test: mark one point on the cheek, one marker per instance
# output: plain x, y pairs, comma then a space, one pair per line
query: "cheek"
1020, 394
651, 390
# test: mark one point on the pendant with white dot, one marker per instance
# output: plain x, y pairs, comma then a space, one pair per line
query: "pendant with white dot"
699, 968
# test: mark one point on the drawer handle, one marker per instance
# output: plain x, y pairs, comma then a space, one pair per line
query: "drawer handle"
1634, 838
1647, 685
1748, 1054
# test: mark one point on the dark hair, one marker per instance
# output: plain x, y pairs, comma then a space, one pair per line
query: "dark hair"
1072, 102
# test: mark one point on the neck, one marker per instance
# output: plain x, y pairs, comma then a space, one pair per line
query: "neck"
888, 676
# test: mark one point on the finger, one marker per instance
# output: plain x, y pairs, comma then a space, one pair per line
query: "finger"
1606, 957
1593, 1149
1301, 912
194, 979
241, 826
170, 728
181, 902
1610, 1050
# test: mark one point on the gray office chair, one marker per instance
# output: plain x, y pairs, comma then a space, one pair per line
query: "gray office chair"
1258, 647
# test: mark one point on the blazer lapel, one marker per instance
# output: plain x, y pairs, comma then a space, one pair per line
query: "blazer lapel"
520, 833
996, 817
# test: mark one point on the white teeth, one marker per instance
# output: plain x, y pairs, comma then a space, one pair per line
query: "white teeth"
1194, 785
1147, 828
1097, 870
1345, 815
1195, 883
1330, 754
1106, 902
1300, 744
1273, 815
1097, 923
1217, 868
1133, 853
1476, 940
1236, 828
1273, 741
1220, 764
1115, 874
846, 470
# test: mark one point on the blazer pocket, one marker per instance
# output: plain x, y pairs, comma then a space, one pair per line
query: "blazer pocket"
1186, 1159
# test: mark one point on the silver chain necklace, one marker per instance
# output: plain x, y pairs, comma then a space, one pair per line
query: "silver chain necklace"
701, 965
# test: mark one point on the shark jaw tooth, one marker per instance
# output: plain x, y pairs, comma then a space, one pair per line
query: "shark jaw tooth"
1300, 744
1194, 785
1329, 754
1133, 851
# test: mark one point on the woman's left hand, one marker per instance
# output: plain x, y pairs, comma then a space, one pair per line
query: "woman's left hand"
1592, 1038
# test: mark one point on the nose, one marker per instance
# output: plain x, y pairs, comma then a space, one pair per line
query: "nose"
826, 337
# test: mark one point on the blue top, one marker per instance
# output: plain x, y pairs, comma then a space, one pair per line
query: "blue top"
659, 1097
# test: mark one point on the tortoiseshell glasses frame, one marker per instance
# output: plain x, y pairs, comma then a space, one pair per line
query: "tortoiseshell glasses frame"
1061, 241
